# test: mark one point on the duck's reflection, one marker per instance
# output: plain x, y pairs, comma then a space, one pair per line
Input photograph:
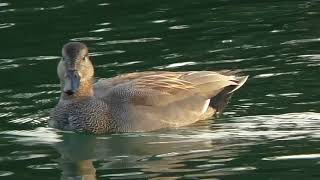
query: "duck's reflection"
146, 154
82, 169
77, 152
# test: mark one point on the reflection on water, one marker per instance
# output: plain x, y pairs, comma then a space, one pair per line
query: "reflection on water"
268, 131
200, 151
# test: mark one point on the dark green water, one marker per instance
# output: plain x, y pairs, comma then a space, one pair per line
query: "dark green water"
270, 130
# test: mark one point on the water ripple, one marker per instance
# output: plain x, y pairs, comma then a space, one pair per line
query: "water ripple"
56, 7
8, 103
290, 157
122, 174
102, 53
10, 66
39, 58
178, 27
293, 42
48, 86
6, 25
12, 108
172, 56
21, 61
9, 114
176, 65
116, 64
249, 46
267, 75
104, 4
104, 24
5, 173
277, 31
32, 137
24, 157
277, 126
232, 170
44, 166
312, 59
87, 39
141, 40
227, 41
33, 119
4, 4
159, 21
48, 8
102, 30
170, 154
289, 95
7, 10
227, 61
27, 95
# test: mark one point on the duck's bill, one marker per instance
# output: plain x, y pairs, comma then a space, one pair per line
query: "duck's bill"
72, 83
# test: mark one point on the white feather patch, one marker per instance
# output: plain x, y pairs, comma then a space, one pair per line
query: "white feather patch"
205, 106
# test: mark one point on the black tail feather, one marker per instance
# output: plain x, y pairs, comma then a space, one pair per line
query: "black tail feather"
220, 101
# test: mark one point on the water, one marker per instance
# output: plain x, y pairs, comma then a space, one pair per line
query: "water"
270, 130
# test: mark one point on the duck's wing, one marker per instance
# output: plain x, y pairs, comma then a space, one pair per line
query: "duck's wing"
103, 86
163, 87
164, 99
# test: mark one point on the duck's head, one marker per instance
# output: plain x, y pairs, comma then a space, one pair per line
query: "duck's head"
75, 70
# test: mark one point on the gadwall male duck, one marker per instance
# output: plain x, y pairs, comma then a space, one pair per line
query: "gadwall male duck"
135, 102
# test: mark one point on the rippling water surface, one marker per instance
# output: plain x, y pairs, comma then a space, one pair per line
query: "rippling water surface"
270, 130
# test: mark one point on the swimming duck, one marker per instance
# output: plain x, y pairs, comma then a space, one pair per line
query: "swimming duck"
135, 102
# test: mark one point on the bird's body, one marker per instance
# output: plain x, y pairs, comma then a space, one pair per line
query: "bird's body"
135, 102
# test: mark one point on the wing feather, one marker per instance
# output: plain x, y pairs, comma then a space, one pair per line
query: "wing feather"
161, 88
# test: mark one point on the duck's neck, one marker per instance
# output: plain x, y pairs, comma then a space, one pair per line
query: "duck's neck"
85, 90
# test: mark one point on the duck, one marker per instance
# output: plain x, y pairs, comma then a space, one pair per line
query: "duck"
137, 101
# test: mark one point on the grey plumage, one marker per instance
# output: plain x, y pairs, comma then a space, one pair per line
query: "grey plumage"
143, 101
